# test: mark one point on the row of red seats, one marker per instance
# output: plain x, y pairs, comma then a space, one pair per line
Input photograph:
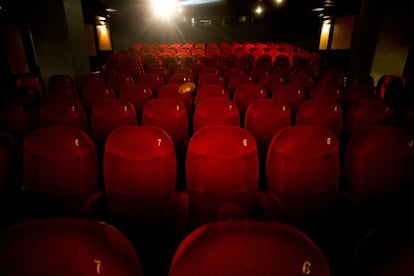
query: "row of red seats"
303, 169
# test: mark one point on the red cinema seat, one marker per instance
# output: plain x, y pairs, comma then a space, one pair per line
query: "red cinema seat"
366, 113
177, 78
270, 82
110, 114
91, 79
222, 171
154, 81
63, 113
247, 93
93, 93
66, 247
215, 111
163, 71
390, 87
140, 171
236, 80
303, 169
264, 118
323, 112
328, 91
210, 78
18, 119
61, 87
211, 91
117, 80
138, 94
248, 248
379, 162
169, 115
9, 161
171, 91
292, 94
31, 81
60, 163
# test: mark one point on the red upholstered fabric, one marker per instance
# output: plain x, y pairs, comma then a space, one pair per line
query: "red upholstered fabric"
270, 82
210, 78
138, 94
236, 80
211, 91
169, 115
292, 94
117, 80
93, 93
63, 113
215, 111
18, 119
366, 113
222, 159
110, 114
178, 78
322, 112
302, 167
264, 118
389, 84
66, 247
30, 81
245, 94
379, 161
60, 162
171, 91
248, 248
154, 81
140, 170
328, 91
9, 158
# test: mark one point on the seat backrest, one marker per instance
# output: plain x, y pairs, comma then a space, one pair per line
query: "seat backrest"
66, 247
60, 163
303, 168
140, 171
248, 248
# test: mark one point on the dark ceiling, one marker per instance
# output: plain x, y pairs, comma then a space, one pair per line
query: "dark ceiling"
239, 7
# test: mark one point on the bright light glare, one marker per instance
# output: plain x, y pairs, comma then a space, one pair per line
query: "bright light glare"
279, 2
163, 8
258, 10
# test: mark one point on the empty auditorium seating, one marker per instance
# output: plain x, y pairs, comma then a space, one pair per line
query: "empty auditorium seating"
61, 86
154, 81
248, 248
390, 87
66, 247
328, 91
140, 170
138, 94
215, 111
366, 113
210, 78
60, 163
323, 112
18, 119
236, 80
171, 91
264, 118
245, 94
63, 113
177, 78
169, 115
32, 81
211, 91
93, 93
270, 82
379, 163
292, 94
303, 169
110, 114
9, 162
116, 80
222, 171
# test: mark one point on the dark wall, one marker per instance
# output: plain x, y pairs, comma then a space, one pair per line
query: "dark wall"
129, 27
